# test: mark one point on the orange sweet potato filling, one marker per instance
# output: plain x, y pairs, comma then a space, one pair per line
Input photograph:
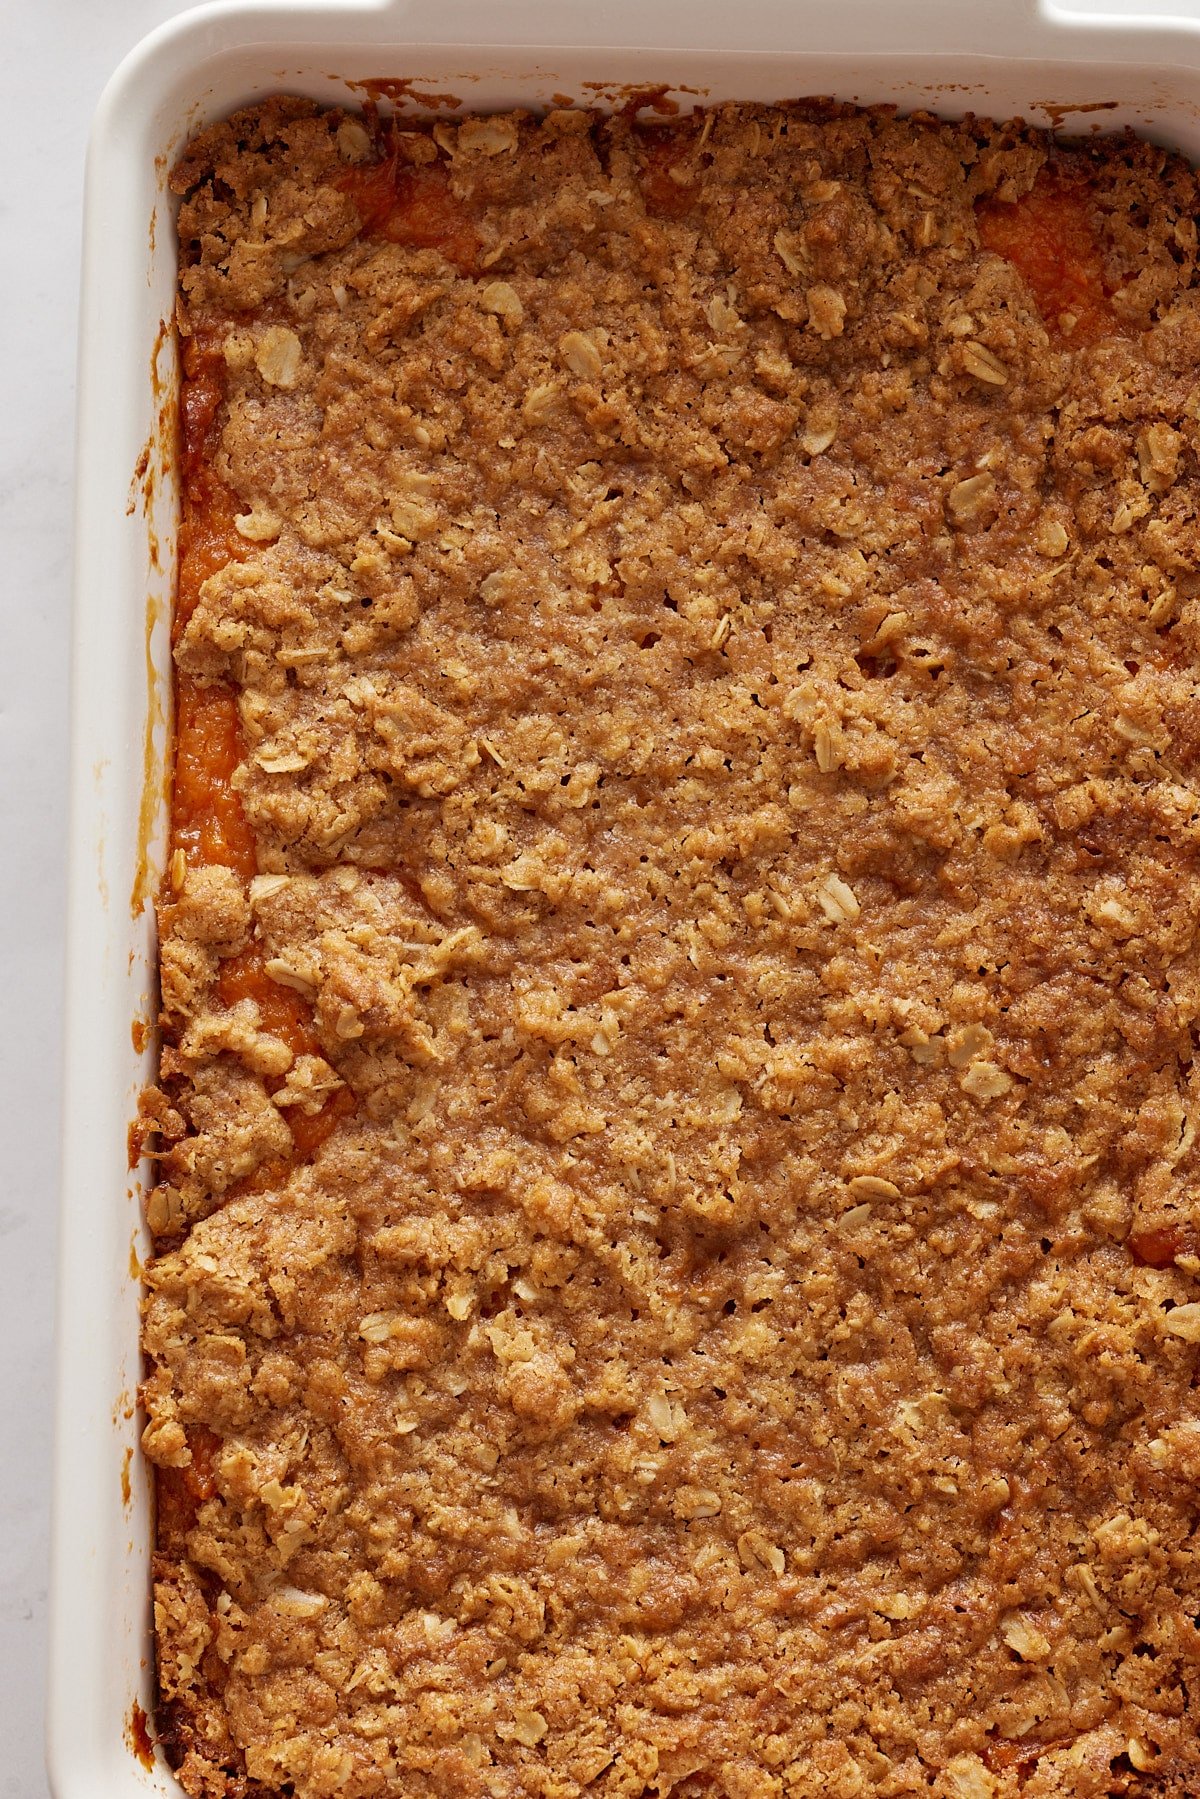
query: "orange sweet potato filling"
283, 1012
208, 821
1048, 235
1158, 1247
208, 537
665, 196
180, 1492
415, 206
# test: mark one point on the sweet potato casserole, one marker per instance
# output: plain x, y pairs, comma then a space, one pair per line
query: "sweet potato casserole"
678, 1240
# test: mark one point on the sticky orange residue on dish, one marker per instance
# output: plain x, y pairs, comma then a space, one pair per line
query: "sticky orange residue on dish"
139, 475
632, 97
398, 89
155, 459
126, 1483
139, 1032
137, 1735
145, 877
1056, 111
135, 1142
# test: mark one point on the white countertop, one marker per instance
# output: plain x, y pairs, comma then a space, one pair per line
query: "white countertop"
59, 54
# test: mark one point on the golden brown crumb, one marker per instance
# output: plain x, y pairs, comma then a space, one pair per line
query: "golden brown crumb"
717, 682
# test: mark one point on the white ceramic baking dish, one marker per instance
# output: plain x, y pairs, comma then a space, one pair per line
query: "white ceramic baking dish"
1081, 66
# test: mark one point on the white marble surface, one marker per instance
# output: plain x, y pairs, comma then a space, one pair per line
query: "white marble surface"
57, 54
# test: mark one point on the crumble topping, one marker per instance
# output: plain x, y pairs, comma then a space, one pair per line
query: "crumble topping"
678, 1240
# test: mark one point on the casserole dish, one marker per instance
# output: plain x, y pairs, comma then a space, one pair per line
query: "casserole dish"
198, 69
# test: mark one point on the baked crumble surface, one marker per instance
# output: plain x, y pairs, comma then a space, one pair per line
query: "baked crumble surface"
709, 698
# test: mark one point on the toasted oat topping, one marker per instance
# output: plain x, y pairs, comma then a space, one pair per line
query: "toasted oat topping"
679, 1252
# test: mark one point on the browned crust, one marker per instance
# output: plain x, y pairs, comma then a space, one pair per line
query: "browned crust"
727, 775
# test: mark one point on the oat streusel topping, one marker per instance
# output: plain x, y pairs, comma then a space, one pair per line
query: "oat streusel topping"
710, 661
